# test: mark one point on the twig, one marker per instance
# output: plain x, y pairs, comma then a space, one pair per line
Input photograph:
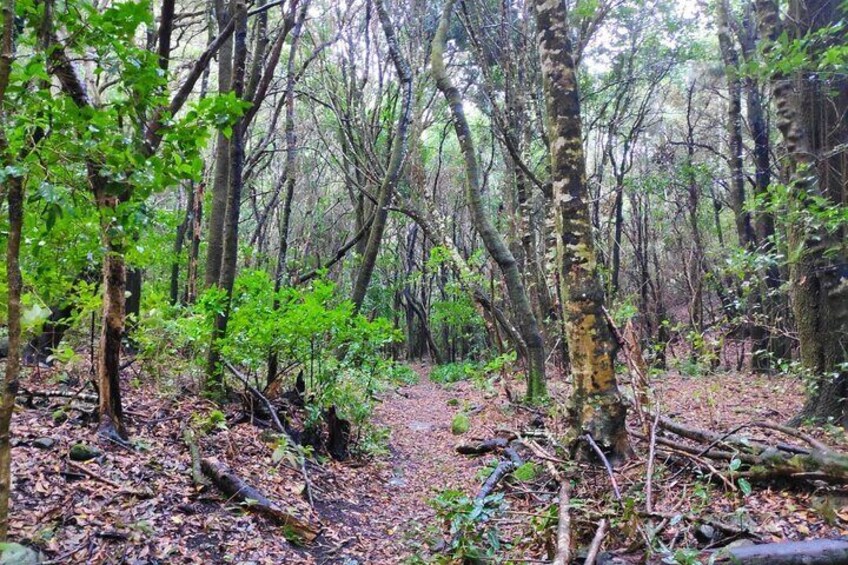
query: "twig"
563, 552
591, 442
595, 548
649, 479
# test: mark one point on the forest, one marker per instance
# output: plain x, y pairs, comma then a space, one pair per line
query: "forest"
406, 281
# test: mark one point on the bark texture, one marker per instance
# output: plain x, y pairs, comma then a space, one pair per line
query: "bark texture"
597, 408
818, 265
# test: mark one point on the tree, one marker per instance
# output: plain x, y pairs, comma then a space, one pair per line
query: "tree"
597, 407
493, 241
392, 174
810, 114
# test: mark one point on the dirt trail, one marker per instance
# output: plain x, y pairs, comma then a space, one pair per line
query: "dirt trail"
384, 507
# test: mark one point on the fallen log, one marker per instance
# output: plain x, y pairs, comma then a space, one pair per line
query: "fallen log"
810, 552
482, 447
232, 485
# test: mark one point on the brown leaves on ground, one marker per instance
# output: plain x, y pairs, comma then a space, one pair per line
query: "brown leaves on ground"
139, 505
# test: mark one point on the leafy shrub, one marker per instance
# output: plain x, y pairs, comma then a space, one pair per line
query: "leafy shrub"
471, 535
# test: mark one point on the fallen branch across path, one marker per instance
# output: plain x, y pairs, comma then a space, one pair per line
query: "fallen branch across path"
225, 479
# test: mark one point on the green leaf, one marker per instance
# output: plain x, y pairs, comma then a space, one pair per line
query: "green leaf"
744, 486
525, 473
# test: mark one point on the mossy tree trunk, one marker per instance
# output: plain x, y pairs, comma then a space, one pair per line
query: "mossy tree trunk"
495, 245
14, 188
818, 265
597, 408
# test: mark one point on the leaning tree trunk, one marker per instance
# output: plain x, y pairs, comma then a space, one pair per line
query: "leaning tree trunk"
493, 241
393, 171
818, 272
597, 408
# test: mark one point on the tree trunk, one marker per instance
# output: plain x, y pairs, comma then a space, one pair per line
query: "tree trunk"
596, 408
493, 241
229, 258
818, 272
15, 190
112, 328
393, 170
221, 178
288, 179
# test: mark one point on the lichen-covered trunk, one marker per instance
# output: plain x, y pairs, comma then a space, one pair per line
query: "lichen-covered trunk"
393, 170
818, 271
597, 407
493, 241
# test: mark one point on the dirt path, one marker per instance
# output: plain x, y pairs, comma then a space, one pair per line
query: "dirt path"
384, 507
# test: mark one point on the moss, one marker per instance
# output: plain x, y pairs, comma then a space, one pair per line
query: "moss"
460, 424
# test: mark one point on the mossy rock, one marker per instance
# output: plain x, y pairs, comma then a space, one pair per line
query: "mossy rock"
460, 424
453, 402
59, 416
17, 554
83, 452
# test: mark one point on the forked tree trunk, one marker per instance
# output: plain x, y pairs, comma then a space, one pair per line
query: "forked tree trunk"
393, 170
596, 408
229, 258
493, 241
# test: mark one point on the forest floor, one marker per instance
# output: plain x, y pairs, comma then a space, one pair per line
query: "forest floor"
139, 505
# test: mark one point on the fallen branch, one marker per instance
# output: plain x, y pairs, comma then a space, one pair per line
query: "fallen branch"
810, 552
563, 552
482, 447
595, 548
607, 464
194, 450
277, 424
505, 467
759, 460
225, 479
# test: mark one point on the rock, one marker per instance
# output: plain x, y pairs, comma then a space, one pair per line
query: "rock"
706, 533
17, 554
59, 416
44, 443
83, 452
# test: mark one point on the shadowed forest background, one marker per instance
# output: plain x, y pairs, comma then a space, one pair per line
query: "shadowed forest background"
398, 281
